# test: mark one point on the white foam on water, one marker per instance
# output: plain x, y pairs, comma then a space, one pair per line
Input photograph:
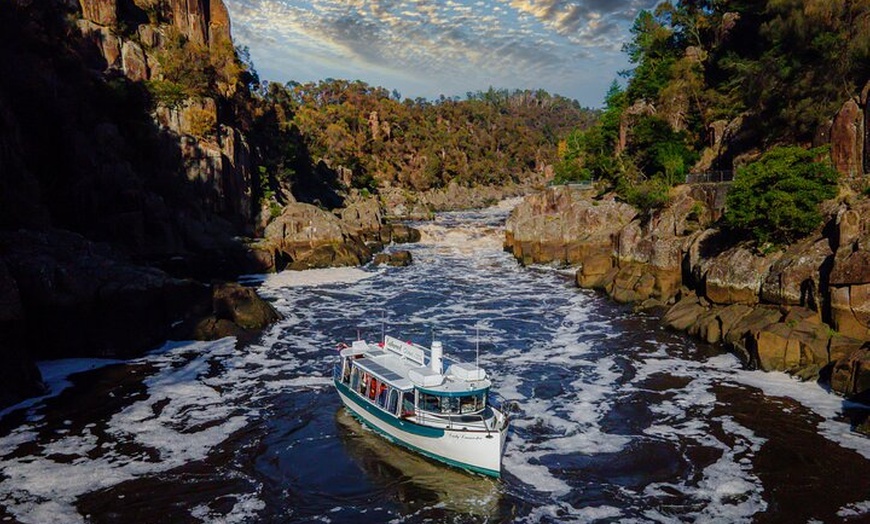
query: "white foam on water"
55, 376
855, 510
245, 509
314, 277
827, 405
180, 420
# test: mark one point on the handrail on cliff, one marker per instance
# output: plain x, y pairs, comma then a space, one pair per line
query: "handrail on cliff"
710, 177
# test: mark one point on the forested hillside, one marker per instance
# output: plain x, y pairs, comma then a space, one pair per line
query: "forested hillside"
715, 83
366, 137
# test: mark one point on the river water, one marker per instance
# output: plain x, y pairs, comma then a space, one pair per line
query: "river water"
617, 419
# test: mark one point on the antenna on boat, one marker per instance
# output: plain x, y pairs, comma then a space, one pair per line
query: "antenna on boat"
383, 326
357, 334
477, 347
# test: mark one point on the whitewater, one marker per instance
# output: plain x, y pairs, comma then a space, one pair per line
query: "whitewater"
615, 418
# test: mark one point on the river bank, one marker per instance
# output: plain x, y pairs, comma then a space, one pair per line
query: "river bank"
801, 310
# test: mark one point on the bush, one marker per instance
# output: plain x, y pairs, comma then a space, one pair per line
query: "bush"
776, 199
646, 195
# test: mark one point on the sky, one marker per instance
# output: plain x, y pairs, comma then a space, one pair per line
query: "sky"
428, 48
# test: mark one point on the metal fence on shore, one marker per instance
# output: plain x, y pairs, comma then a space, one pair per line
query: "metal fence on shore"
710, 177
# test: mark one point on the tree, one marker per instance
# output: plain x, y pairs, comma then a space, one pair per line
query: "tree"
776, 199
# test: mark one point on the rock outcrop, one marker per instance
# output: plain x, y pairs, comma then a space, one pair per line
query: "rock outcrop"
565, 225
804, 310
306, 237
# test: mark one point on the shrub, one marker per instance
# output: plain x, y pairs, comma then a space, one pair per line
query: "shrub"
776, 199
202, 122
646, 195
167, 94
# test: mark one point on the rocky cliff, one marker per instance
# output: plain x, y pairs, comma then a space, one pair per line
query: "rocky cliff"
104, 186
804, 309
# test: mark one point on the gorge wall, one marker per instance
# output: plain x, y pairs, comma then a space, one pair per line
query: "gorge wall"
103, 188
804, 310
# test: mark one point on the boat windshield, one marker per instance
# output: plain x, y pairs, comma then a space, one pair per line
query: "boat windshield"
453, 405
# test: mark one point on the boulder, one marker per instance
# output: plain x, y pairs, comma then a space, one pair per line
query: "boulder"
736, 276
850, 310
400, 234
395, 258
596, 269
851, 373
242, 306
743, 330
363, 218
565, 225
309, 237
684, 313
794, 279
797, 347
708, 327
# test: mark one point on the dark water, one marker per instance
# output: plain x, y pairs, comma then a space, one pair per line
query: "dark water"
618, 419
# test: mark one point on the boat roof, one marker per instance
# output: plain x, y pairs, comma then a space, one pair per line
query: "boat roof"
405, 366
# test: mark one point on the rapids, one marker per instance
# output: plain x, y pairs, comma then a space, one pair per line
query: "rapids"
617, 418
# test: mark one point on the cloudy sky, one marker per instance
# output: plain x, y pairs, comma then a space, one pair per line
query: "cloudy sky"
425, 48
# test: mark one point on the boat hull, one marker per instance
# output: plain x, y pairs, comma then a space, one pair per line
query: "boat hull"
476, 451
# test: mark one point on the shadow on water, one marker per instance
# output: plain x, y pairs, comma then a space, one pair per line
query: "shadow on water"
421, 486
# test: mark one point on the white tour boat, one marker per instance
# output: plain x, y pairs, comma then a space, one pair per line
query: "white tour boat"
403, 391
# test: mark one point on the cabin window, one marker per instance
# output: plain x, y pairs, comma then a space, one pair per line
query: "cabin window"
472, 403
345, 373
430, 403
407, 404
394, 401
453, 405
382, 394
354, 379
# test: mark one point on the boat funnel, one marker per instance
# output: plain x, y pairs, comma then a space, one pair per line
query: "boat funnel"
437, 353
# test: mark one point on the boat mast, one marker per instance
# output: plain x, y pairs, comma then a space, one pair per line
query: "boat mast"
383, 326
477, 347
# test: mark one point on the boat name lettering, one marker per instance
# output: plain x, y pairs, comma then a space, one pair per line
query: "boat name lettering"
461, 436
406, 350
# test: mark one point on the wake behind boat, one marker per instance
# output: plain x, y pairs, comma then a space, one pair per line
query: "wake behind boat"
402, 391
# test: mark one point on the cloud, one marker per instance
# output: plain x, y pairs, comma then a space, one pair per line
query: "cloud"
431, 46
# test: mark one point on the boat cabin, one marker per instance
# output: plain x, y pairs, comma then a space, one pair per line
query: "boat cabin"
409, 380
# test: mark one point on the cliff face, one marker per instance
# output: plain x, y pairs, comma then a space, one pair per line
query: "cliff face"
805, 310
99, 180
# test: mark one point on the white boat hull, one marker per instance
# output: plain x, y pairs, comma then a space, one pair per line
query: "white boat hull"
478, 451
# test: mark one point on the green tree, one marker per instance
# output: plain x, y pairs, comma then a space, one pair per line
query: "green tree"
776, 199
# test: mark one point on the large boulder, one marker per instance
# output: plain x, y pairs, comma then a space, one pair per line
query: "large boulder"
310, 237
797, 346
564, 225
242, 306
795, 279
735, 276
363, 218
684, 313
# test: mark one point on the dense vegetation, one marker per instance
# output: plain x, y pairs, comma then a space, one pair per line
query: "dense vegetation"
776, 199
770, 72
369, 138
